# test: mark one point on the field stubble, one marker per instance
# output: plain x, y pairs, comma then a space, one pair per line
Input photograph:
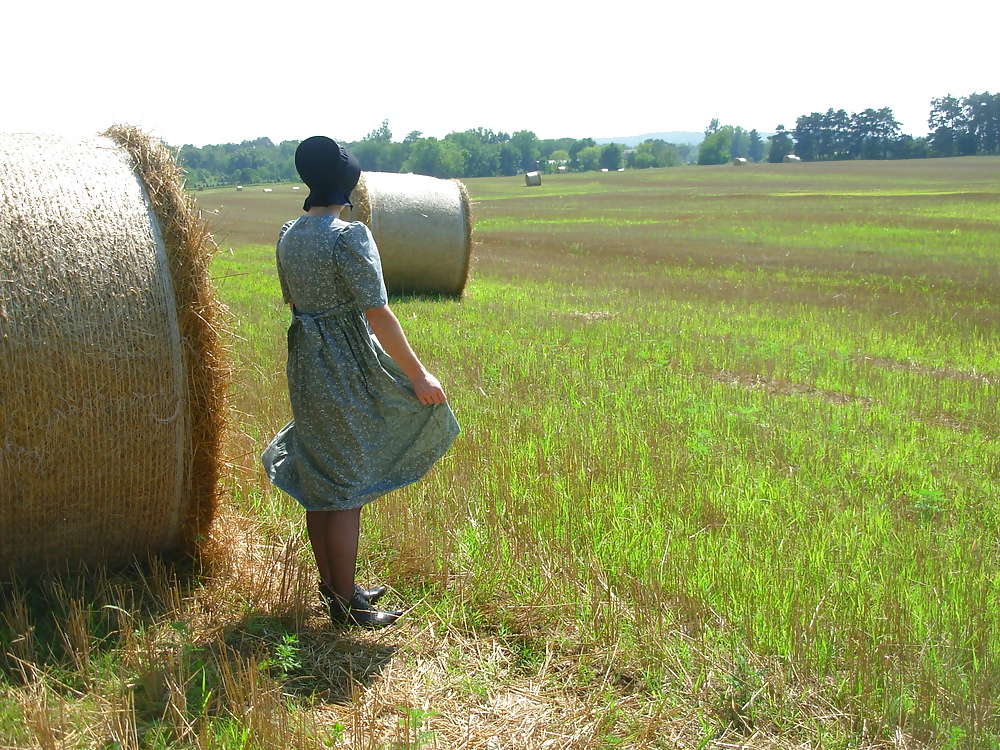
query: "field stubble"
728, 478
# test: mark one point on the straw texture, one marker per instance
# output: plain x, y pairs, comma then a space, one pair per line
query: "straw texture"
112, 375
423, 229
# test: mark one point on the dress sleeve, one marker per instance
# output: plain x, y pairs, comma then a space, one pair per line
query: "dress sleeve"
286, 296
358, 258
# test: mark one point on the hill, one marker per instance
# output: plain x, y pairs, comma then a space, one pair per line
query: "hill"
674, 136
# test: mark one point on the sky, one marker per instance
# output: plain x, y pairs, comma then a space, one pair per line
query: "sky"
218, 71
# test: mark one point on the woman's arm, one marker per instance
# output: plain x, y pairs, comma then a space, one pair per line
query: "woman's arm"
390, 334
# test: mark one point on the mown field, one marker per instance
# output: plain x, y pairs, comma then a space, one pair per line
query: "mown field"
728, 477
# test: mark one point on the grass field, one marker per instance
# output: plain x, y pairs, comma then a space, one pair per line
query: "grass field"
728, 477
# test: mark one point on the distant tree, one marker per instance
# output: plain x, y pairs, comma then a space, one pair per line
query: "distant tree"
488, 136
966, 126
550, 163
716, 148
576, 148
381, 133
756, 150
870, 134
611, 157
247, 158
191, 157
739, 146
367, 153
656, 152
372, 151
887, 130
527, 143
510, 160
983, 114
393, 156
807, 134
286, 160
199, 178
482, 159
908, 147
642, 160
946, 121
713, 126
589, 158
217, 159
551, 145
834, 138
873, 132
781, 145
413, 136
435, 158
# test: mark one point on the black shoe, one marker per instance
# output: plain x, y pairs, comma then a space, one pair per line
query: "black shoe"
372, 594
360, 612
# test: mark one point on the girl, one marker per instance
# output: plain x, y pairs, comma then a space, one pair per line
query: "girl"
368, 417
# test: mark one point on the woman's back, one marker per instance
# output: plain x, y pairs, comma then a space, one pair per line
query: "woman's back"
325, 263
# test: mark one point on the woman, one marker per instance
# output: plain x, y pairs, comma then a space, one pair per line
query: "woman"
368, 417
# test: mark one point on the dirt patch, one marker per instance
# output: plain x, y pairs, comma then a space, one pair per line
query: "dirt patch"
946, 373
592, 315
780, 386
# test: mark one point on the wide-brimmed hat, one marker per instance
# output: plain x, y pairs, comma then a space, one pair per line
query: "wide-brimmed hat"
330, 172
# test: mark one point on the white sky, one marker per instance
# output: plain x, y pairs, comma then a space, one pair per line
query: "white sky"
217, 71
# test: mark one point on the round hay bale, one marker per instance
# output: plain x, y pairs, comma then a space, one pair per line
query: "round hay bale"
423, 229
790, 159
112, 375
739, 161
533, 179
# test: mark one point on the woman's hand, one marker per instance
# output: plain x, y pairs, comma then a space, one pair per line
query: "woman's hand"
386, 328
429, 390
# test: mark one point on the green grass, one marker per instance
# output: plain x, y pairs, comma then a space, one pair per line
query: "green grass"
680, 442
728, 474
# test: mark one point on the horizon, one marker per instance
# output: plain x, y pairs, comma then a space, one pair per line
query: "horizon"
397, 138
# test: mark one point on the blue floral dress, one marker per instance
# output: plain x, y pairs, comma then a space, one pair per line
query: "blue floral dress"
359, 430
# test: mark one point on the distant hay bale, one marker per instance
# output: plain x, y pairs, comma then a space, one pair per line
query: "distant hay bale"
561, 169
532, 179
739, 161
790, 159
112, 375
423, 229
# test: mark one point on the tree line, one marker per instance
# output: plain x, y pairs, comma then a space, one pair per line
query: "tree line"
958, 126
964, 126
472, 153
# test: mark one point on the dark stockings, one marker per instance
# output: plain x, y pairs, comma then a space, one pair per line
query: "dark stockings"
333, 535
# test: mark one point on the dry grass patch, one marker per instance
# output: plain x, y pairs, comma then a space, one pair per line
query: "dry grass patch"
242, 655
